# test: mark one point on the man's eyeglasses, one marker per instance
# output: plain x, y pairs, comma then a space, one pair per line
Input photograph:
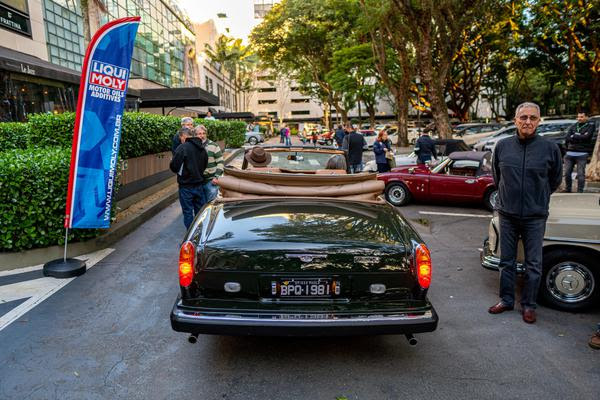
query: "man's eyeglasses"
532, 118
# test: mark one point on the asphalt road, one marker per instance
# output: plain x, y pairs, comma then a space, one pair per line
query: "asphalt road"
106, 335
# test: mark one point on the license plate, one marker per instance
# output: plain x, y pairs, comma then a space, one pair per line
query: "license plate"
318, 287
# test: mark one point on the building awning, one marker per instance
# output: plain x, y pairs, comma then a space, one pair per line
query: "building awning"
15, 61
177, 97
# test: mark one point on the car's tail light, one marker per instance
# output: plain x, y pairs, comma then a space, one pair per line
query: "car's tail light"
423, 261
186, 263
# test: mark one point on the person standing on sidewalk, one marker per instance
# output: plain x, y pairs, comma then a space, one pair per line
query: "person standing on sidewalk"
288, 136
578, 144
425, 149
339, 136
189, 163
354, 143
186, 122
214, 165
527, 168
282, 134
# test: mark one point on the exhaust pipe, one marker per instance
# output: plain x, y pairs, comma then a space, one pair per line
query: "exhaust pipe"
193, 338
411, 339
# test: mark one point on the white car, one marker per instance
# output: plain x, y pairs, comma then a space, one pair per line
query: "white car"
473, 133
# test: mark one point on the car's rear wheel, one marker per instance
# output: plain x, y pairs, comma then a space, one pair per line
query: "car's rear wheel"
490, 199
397, 194
569, 280
253, 140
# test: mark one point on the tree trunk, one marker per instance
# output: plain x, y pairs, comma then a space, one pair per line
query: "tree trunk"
371, 111
593, 170
595, 95
359, 114
402, 116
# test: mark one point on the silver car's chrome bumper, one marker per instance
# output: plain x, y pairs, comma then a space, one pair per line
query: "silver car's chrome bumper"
490, 261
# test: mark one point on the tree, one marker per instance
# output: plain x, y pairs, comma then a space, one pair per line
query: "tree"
392, 55
297, 38
567, 34
480, 60
353, 74
435, 28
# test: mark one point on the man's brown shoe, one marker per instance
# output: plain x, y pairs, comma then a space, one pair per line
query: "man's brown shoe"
529, 315
499, 308
595, 341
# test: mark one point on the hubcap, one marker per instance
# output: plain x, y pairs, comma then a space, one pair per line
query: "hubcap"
397, 194
570, 282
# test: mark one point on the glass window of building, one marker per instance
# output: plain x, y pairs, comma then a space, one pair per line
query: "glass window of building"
159, 54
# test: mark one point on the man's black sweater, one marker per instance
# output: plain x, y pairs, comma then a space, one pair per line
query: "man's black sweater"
189, 162
526, 172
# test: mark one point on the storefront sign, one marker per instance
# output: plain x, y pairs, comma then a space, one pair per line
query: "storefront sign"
97, 132
14, 21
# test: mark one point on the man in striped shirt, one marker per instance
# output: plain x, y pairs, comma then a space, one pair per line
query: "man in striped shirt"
214, 168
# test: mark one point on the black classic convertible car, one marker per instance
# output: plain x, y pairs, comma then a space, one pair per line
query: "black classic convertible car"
311, 251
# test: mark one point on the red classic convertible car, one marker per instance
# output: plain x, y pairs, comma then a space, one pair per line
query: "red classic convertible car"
465, 176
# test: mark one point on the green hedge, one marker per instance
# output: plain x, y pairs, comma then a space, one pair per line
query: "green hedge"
142, 133
14, 135
33, 191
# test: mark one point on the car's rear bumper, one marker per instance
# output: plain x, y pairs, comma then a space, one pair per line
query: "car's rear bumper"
296, 324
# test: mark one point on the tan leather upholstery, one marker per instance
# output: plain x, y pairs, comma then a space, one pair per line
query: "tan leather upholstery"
268, 170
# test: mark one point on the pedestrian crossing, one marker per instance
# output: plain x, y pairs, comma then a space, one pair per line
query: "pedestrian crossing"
23, 289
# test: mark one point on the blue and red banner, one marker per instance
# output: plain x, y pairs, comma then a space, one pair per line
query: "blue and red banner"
102, 90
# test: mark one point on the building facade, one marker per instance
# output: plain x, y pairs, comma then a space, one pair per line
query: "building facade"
42, 45
212, 77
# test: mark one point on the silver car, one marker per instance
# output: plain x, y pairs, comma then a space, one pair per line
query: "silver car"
571, 271
545, 128
254, 138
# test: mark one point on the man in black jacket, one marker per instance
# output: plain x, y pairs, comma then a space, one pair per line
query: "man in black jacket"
579, 145
189, 162
354, 143
527, 168
339, 136
425, 149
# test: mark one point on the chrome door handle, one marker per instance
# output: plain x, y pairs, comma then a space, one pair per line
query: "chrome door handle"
470, 181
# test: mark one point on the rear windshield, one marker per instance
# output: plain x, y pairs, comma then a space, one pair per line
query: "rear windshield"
317, 223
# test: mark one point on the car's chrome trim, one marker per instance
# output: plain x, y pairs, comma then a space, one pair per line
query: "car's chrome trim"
489, 261
323, 319
571, 240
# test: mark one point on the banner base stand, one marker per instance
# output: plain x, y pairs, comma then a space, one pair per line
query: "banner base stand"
64, 268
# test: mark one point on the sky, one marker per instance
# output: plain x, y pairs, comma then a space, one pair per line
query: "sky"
240, 15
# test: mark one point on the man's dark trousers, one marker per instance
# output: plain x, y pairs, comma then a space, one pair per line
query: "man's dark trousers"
191, 199
570, 161
531, 231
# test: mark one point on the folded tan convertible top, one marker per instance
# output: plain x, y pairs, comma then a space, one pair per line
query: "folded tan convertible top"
239, 184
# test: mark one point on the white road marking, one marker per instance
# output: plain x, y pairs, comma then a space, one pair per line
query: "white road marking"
39, 289
456, 214
21, 270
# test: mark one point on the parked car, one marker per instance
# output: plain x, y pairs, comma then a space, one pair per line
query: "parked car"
295, 249
473, 133
253, 138
326, 138
545, 128
444, 147
465, 176
369, 135
489, 143
571, 272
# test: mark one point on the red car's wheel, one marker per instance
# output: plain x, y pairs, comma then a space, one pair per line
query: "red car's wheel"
490, 199
397, 194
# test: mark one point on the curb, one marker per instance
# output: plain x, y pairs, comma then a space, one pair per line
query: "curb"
119, 230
